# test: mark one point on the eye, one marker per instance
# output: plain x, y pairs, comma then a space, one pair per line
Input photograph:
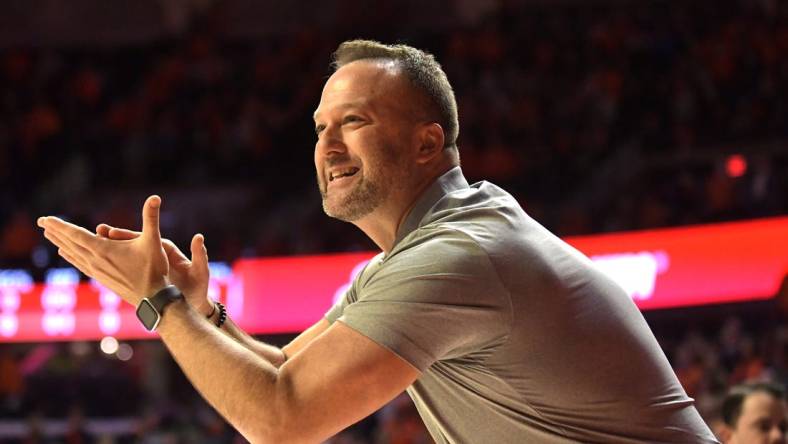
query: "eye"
319, 129
351, 118
764, 426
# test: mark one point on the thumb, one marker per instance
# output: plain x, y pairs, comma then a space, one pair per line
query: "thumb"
199, 253
150, 218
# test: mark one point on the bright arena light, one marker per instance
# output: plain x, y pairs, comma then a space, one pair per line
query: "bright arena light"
736, 165
125, 352
109, 345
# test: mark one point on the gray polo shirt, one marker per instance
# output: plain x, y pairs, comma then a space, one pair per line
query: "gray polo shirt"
518, 337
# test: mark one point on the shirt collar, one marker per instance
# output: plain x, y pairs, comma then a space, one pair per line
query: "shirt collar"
448, 182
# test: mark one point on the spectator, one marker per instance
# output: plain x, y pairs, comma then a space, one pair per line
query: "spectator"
755, 414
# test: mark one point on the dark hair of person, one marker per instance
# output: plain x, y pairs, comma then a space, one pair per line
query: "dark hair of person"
732, 405
423, 71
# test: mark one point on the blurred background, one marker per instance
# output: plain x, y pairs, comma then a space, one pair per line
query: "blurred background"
598, 116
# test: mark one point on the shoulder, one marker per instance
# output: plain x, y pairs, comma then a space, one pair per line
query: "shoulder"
436, 263
438, 246
482, 202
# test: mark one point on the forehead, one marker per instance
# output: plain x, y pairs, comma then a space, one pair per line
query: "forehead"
364, 83
760, 404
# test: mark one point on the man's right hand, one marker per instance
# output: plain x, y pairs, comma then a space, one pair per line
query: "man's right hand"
190, 276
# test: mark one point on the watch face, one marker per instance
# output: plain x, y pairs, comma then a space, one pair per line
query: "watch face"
148, 315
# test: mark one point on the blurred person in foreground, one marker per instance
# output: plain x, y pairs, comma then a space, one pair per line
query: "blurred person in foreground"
755, 413
498, 330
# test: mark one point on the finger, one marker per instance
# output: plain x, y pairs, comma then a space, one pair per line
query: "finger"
123, 234
102, 230
150, 218
174, 255
94, 273
54, 239
110, 232
199, 253
63, 243
73, 260
68, 230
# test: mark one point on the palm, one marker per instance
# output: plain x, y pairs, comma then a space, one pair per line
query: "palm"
133, 267
186, 275
191, 277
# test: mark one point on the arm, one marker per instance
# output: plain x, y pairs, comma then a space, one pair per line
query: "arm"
305, 338
191, 277
337, 379
270, 353
274, 355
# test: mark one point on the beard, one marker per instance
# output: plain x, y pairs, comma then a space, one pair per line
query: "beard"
357, 202
373, 188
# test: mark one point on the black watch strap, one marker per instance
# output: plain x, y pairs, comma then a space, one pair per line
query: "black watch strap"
165, 297
149, 310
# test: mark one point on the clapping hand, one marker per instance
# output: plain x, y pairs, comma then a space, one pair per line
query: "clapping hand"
132, 268
190, 276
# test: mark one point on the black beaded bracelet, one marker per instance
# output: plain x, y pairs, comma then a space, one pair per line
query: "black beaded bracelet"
222, 314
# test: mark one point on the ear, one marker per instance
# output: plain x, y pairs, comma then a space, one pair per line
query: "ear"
724, 433
430, 142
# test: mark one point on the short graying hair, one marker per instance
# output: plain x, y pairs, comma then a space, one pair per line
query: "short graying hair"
423, 71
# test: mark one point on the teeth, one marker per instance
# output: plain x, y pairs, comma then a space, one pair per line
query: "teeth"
343, 172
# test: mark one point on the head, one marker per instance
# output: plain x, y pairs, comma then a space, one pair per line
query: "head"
755, 414
386, 125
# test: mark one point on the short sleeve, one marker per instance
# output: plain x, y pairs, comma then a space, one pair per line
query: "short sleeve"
350, 295
440, 298
336, 310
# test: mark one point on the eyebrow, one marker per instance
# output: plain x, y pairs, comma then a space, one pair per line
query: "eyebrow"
343, 106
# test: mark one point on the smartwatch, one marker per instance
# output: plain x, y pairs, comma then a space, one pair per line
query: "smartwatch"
150, 310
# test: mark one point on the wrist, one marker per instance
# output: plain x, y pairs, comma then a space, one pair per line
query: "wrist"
156, 287
212, 309
150, 311
207, 308
219, 315
175, 310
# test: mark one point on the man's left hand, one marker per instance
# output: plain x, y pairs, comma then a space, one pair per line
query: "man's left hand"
133, 269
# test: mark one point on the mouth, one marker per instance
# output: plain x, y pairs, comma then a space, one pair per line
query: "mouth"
342, 173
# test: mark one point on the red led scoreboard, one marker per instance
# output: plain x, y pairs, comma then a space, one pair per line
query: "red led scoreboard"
688, 266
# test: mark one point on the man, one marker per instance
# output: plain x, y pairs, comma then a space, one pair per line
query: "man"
499, 331
755, 414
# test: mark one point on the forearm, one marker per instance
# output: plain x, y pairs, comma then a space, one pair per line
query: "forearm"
240, 384
270, 353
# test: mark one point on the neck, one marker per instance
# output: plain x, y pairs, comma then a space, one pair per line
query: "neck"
380, 229
382, 225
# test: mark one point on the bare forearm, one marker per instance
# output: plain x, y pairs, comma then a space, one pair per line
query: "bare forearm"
238, 383
270, 353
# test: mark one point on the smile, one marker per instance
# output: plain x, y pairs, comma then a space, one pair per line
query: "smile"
341, 173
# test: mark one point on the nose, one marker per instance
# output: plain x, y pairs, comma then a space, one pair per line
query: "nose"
776, 435
330, 143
